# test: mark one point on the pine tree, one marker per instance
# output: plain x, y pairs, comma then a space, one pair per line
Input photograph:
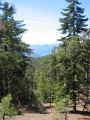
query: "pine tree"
74, 21
5, 107
14, 54
72, 25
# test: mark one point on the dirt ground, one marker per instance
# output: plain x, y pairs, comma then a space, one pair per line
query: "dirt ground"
49, 114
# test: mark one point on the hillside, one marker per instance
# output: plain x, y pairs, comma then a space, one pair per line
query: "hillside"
42, 50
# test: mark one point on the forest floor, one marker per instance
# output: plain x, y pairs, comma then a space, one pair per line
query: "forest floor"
49, 113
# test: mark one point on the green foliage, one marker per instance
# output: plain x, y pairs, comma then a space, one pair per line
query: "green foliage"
61, 106
74, 21
51, 78
56, 117
36, 62
65, 72
14, 55
73, 61
45, 77
5, 108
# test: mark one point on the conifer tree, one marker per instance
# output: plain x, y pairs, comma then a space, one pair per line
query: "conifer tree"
74, 21
14, 54
72, 25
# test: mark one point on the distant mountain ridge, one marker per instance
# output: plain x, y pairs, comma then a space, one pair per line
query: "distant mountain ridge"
42, 50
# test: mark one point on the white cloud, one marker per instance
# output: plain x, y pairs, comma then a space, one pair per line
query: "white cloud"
41, 37
41, 23
40, 33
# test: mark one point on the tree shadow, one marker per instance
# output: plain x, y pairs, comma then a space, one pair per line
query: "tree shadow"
83, 118
86, 113
37, 110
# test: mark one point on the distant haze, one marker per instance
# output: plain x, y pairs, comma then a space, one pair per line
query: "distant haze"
42, 50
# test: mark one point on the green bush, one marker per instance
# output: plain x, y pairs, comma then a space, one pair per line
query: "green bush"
5, 108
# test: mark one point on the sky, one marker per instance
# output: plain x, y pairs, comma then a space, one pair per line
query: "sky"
42, 18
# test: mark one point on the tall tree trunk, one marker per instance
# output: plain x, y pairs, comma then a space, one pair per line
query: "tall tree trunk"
74, 87
74, 101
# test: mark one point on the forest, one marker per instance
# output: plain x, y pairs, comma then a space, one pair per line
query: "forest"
62, 77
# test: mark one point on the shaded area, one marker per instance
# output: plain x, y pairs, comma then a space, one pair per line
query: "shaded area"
42, 110
86, 113
83, 118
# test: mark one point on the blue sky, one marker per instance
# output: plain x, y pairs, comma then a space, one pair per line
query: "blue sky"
41, 18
